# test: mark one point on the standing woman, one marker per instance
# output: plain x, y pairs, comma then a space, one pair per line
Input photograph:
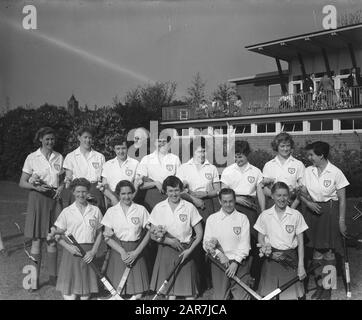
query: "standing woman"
180, 219
201, 179
40, 176
325, 199
283, 168
84, 162
125, 224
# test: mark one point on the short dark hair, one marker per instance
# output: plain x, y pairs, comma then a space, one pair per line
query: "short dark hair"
279, 185
319, 148
42, 132
172, 181
282, 137
119, 140
198, 142
226, 191
80, 182
242, 146
124, 183
86, 129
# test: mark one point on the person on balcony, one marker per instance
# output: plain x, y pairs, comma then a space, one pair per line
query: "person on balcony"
326, 91
238, 105
308, 89
344, 95
353, 81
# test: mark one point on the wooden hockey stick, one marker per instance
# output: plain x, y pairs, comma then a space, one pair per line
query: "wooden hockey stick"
346, 268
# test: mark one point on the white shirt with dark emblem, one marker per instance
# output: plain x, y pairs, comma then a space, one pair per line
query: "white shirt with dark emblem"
89, 168
47, 170
158, 168
179, 223
198, 179
281, 233
243, 181
290, 172
114, 172
126, 226
82, 226
232, 232
324, 187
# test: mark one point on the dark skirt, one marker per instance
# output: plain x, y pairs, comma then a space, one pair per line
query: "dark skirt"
151, 198
68, 197
42, 211
138, 279
273, 275
183, 282
75, 276
209, 209
323, 231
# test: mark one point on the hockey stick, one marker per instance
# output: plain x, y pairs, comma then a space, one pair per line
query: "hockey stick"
346, 268
103, 279
286, 285
124, 278
106, 260
236, 279
24, 245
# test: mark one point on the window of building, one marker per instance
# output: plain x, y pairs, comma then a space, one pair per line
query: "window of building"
184, 114
321, 125
292, 126
243, 128
265, 127
351, 124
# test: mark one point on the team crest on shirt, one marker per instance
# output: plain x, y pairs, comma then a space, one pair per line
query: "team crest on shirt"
169, 167
57, 166
93, 223
135, 220
183, 217
327, 183
289, 228
291, 170
208, 176
95, 165
237, 230
251, 179
129, 172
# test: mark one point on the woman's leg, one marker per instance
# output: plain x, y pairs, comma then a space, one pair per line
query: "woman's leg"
35, 252
52, 254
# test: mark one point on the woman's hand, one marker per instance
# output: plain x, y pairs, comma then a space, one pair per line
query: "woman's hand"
132, 256
185, 254
301, 272
176, 244
74, 250
58, 192
41, 188
89, 256
231, 270
314, 207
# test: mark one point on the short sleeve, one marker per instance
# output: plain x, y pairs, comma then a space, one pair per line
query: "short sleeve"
260, 225
341, 180
225, 177
215, 175
301, 172
177, 164
105, 170
195, 217
107, 219
99, 218
181, 173
61, 164
301, 225
153, 218
266, 171
27, 168
61, 221
68, 162
259, 177
145, 216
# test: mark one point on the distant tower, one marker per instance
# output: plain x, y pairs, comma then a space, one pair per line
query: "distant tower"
73, 108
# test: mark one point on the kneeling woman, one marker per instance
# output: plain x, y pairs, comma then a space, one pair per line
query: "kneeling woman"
124, 226
280, 233
83, 221
179, 218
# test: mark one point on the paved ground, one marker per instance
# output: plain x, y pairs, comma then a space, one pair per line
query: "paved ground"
13, 209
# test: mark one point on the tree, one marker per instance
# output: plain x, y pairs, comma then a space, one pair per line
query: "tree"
196, 93
349, 18
224, 92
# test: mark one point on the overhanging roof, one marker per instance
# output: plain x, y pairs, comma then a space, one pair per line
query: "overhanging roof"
267, 77
310, 43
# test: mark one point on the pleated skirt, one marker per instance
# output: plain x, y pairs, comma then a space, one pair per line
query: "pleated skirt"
75, 276
185, 279
138, 278
42, 211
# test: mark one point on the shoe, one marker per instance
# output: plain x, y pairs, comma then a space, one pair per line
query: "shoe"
316, 295
326, 294
52, 281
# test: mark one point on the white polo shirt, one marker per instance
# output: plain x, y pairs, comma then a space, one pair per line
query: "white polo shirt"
243, 181
232, 232
178, 223
89, 168
198, 179
47, 170
290, 172
126, 226
82, 226
281, 234
158, 168
114, 172
324, 187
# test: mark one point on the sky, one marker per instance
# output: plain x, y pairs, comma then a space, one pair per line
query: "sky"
98, 49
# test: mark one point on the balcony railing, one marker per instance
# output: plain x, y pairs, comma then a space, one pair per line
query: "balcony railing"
300, 102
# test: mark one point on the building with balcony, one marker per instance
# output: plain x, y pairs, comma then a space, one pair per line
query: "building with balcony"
275, 101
